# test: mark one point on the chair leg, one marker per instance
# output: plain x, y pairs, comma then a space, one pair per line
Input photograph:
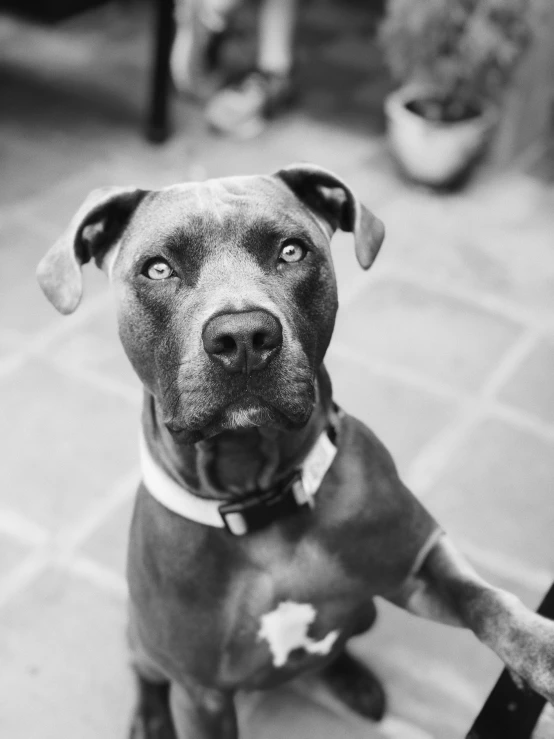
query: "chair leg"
158, 126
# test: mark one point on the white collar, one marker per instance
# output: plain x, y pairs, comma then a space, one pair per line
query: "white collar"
178, 499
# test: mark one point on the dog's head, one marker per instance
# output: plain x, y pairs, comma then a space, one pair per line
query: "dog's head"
225, 289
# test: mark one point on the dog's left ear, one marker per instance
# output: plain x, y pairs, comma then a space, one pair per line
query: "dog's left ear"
93, 231
326, 194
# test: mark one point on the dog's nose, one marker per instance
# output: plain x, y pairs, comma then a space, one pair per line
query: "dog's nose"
243, 342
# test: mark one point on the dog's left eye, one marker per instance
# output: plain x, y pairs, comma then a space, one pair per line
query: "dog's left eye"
292, 252
158, 269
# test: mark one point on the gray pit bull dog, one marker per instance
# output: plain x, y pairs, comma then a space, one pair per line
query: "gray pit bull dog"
267, 520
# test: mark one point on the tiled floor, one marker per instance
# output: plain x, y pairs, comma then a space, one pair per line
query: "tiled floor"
446, 349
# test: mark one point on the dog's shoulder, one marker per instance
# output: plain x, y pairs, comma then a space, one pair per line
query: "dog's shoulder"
363, 464
380, 519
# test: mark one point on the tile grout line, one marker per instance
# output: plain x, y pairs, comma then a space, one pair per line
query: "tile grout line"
507, 567
58, 328
39, 341
433, 458
22, 529
428, 464
123, 491
449, 290
61, 549
95, 379
26, 531
97, 575
511, 360
24, 574
522, 421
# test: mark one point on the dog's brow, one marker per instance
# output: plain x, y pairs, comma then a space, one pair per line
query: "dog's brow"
270, 227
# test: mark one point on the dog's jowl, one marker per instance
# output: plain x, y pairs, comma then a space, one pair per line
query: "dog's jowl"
268, 519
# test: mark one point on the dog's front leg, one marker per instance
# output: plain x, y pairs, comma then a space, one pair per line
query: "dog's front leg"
447, 589
201, 713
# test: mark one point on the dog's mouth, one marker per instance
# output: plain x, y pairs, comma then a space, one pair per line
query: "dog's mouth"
204, 401
247, 411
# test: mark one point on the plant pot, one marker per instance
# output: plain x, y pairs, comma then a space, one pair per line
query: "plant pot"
435, 153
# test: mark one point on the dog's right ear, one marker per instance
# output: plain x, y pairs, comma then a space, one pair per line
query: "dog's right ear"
329, 196
93, 231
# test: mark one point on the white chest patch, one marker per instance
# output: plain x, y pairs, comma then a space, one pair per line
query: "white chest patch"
286, 629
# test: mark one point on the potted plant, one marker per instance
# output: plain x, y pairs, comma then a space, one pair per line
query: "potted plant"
453, 60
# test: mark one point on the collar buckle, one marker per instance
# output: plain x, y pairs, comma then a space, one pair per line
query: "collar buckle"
260, 510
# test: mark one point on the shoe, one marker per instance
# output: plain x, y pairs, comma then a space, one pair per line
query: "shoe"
242, 109
195, 51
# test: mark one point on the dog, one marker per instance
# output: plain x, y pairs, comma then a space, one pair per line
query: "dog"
268, 519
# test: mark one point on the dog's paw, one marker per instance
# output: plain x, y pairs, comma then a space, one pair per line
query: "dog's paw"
152, 727
356, 686
535, 662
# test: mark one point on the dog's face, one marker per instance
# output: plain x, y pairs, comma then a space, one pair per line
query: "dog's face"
225, 290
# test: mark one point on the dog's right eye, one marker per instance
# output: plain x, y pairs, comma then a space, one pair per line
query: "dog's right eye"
158, 269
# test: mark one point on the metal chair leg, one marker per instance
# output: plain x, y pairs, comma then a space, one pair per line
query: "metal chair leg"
158, 125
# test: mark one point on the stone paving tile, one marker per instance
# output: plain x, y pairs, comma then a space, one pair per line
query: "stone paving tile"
404, 418
58, 459
9, 344
504, 248
23, 307
62, 647
95, 346
12, 552
375, 182
347, 269
28, 172
57, 205
283, 143
496, 492
148, 169
108, 544
531, 387
441, 337
545, 727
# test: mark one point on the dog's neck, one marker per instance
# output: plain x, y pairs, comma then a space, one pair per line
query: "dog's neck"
236, 463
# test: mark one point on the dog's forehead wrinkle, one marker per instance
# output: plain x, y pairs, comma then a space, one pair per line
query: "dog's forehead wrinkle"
232, 273
236, 206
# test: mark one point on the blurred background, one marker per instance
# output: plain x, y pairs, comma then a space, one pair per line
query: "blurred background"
439, 116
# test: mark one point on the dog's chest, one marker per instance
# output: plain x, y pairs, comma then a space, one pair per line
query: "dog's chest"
288, 616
